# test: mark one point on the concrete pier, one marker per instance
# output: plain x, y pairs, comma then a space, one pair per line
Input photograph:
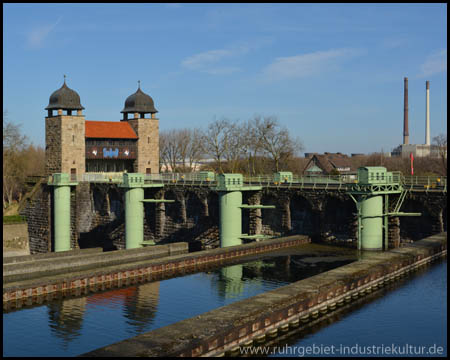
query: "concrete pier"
221, 330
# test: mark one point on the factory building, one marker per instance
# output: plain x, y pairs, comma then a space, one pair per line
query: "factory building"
417, 150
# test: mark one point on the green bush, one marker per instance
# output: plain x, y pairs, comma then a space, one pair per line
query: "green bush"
13, 219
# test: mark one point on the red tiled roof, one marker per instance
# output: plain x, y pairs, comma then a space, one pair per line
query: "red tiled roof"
109, 130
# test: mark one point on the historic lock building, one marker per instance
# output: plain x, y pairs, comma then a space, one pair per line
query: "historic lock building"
75, 145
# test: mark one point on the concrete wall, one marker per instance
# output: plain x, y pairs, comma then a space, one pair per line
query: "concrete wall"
16, 236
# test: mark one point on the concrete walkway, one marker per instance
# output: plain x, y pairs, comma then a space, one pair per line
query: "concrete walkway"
15, 252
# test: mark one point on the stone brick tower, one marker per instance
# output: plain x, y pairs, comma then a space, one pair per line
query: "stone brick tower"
65, 133
147, 129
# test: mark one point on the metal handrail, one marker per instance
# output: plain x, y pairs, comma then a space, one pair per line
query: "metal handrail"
314, 182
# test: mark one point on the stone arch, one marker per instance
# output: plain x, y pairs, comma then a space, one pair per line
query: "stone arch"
194, 208
337, 217
271, 219
116, 206
304, 220
173, 211
99, 201
213, 205
444, 218
415, 227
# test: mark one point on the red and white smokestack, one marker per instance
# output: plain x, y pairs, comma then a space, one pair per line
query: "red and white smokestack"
427, 119
405, 115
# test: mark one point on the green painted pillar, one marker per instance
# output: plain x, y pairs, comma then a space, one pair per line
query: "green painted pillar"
134, 217
230, 222
62, 217
372, 223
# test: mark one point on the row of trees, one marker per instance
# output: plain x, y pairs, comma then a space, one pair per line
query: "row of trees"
20, 159
424, 166
255, 146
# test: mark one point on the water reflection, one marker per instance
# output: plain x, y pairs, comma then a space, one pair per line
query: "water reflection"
66, 318
83, 323
230, 281
140, 309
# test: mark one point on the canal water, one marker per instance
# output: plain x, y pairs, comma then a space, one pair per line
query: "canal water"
405, 318
75, 325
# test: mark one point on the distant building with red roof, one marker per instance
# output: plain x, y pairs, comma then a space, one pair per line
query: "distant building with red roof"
329, 164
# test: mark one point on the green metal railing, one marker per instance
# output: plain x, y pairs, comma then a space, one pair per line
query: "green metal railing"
180, 179
425, 183
332, 182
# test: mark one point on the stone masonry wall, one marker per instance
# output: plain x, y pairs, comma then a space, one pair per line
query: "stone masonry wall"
38, 214
65, 144
53, 145
147, 145
97, 216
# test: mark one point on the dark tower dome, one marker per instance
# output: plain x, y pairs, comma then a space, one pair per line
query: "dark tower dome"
139, 102
64, 99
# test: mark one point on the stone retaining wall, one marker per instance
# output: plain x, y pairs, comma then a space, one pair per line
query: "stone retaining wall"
97, 216
37, 290
22, 271
15, 236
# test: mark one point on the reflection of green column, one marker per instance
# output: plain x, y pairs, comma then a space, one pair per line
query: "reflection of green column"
134, 217
232, 275
62, 218
230, 223
372, 223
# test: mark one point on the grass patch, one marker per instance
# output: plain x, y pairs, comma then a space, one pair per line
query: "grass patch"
14, 219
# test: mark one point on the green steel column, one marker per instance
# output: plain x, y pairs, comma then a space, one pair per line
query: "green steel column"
62, 218
134, 217
230, 221
372, 223
386, 222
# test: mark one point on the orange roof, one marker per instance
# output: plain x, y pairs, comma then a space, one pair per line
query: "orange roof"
109, 130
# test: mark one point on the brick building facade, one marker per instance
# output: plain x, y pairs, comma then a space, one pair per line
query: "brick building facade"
76, 146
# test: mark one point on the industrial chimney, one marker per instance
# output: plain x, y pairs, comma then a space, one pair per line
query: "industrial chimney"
427, 116
405, 116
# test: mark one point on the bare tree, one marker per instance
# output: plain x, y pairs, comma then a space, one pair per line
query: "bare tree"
180, 149
163, 153
440, 142
235, 145
194, 151
215, 141
169, 149
252, 144
276, 141
13, 167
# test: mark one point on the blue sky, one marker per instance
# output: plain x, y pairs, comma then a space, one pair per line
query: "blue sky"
331, 73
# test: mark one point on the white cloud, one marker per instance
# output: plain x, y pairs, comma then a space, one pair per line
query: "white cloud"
37, 36
205, 59
434, 63
211, 61
222, 70
214, 61
307, 64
